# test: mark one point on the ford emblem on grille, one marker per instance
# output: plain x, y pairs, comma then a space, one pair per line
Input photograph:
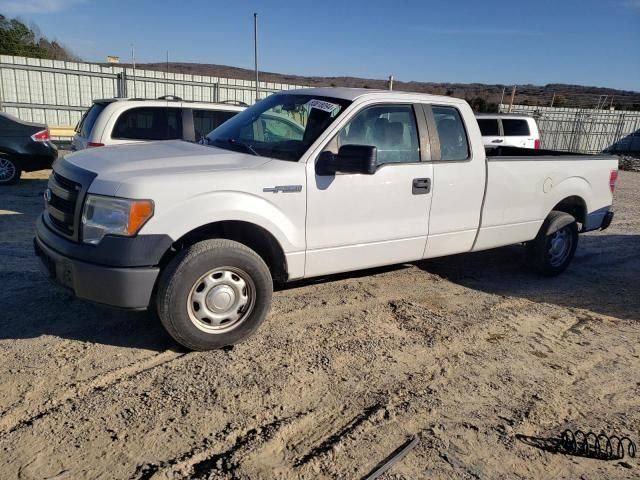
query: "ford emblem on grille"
47, 195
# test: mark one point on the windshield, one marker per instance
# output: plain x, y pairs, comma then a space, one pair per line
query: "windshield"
282, 126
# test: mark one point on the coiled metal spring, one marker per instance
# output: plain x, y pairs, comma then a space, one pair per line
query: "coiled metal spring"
594, 445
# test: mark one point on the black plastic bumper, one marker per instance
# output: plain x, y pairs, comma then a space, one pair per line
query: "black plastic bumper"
120, 286
606, 221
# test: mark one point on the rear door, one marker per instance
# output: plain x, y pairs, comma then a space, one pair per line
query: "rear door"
490, 130
517, 133
458, 179
357, 221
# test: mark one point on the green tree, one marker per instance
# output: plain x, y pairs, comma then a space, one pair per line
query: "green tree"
16, 38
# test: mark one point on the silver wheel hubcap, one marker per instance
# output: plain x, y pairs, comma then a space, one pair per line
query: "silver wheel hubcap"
221, 300
560, 244
7, 170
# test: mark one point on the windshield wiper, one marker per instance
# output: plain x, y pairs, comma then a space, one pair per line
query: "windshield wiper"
246, 146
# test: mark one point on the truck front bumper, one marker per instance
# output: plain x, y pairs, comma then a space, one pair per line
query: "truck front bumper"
128, 287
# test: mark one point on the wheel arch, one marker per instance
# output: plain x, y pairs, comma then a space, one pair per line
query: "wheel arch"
575, 206
253, 236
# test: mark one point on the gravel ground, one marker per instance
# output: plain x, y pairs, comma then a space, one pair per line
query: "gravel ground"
477, 357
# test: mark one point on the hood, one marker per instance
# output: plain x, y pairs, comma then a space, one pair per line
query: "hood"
173, 157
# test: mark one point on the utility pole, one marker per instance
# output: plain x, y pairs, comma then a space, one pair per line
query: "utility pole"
133, 61
255, 52
553, 99
167, 77
390, 82
513, 96
501, 99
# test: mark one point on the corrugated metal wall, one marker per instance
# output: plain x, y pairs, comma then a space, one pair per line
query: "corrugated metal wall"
584, 130
57, 93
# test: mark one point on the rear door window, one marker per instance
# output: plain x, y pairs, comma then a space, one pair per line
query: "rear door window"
205, 121
489, 127
149, 123
451, 133
515, 128
89, 119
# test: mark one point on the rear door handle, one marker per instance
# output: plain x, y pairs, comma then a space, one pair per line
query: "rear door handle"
497, 141
421, 186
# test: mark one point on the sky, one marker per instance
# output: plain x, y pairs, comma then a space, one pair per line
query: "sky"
585, 42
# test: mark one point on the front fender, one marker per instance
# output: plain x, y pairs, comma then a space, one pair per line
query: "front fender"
178, 220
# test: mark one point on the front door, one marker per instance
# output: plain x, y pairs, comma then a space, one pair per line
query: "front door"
357, 221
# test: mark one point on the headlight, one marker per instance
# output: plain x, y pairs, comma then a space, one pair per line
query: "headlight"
113, 216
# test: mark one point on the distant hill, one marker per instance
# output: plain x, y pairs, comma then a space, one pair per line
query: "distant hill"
482, 97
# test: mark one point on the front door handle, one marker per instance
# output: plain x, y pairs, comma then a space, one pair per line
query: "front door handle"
421, 186
497, 141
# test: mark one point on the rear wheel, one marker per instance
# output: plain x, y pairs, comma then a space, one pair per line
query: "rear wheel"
213, 294
9, 171
551, 252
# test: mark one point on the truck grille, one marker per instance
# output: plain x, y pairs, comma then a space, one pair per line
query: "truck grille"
62, 202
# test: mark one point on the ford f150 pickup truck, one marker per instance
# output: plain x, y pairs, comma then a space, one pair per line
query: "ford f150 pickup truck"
366, 178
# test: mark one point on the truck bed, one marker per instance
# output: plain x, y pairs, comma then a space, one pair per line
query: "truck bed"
524, 185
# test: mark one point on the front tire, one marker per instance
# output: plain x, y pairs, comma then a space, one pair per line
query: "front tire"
10, 171
213, 294
551, 252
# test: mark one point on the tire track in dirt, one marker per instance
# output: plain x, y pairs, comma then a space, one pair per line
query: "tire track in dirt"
14, 419
349, 428
206, 457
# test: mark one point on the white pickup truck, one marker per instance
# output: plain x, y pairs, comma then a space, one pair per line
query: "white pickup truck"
304, 183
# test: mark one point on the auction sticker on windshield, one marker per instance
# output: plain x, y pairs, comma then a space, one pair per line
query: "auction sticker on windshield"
321, 105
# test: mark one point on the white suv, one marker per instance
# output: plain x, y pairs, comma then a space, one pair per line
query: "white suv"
116, 121
508, 130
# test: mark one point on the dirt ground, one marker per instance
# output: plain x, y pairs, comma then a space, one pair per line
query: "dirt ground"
473, 354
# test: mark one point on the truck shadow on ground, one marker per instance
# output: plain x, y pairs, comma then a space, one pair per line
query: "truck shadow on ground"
32, 308
604, 276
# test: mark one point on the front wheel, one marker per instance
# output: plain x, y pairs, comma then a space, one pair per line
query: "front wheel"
551, 252
213, 294
9, 171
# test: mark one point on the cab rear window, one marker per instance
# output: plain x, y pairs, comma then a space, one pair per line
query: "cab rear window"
515, 128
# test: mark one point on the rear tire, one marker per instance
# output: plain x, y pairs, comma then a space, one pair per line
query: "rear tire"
213, 294
10, 171
551, 252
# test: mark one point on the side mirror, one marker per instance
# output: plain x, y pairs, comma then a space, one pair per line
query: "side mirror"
350, 159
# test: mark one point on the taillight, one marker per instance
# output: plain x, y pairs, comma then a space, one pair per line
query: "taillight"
41, 136
613, 178
94, 144
536, 144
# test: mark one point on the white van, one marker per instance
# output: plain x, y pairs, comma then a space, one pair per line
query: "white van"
116, 121
508, 130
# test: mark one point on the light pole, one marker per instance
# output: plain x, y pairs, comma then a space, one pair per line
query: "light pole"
133, 61
255, 50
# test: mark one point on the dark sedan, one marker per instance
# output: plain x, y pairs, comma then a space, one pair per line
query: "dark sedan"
24, 147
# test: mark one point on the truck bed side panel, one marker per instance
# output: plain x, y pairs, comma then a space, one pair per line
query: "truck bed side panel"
521, 191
